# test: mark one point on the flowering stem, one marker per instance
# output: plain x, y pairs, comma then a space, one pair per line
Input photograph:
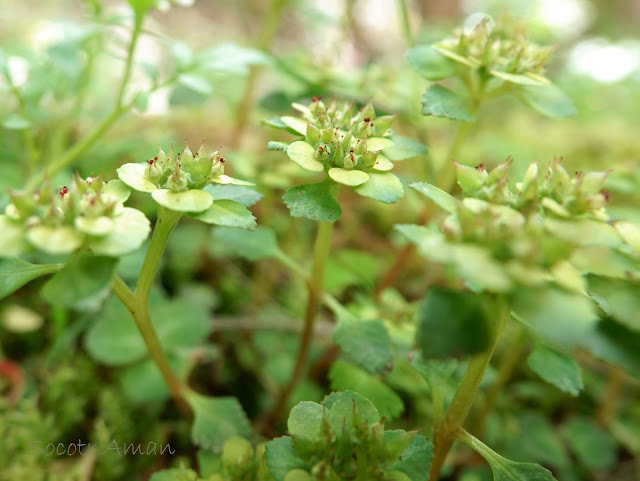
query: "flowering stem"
138, 302
406, 24
445, 431
315, 286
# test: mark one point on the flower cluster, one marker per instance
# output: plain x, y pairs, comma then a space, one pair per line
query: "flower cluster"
559, 193
87, 214
344, 438
348, 146
501, 48
176, 182
497, 238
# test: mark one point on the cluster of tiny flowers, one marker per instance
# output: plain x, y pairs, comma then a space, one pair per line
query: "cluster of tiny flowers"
342, 139
87, 213
500, 48
559, 193
185, 171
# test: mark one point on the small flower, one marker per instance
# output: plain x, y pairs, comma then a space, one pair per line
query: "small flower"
87, 214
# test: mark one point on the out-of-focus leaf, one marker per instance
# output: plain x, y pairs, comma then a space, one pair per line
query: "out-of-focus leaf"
281, 457
238, 193
313, 201
347, 377
253, 246
367, 343
442, 102
404, 148
430, 64
15, 273
617, 298
452, 323
549, 100
556, 368
216, 420
594, 447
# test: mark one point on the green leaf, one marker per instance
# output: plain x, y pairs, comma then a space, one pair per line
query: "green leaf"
521, 79
556, 368
452, 323
344, 376
404, 148
313, 201
226, 180
303, 154
133, 176
281, 457
175, 474
430, 64
505, 469
83, 284
564, 318
15, 273
616, 344
617, 298
442, 102
298, 125
55, 240
216, 420
305, 421
142, 383
278, 146
227, 213
232, 58
239, 193
594, 447
16, 122
383, 187
195, 82
118, 189
131, 229
253, 246
630, 232
366, 343
341, 410
114, 339
548, 100
182, 54
190, 201
351, 178
12, 238
97, 226
415, 461
440, 197
382, 164
584, 232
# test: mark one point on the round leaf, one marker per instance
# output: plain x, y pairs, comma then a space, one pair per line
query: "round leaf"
313, 201
295, 123
228, 213
94, 225
133, 176
383, 187
131, 228
226, 180
442, 102
189, 201
12, 239
303, 154
55, 240
348, 177
382, 164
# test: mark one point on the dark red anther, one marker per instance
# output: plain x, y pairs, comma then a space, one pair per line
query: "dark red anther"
319, 97
155, 158
314, 99
222, 160
371, 124
367, 119
150, 161
479, 166
351, 151
606, 195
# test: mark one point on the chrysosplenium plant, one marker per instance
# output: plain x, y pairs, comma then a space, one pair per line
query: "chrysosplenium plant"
349, 147
525, 251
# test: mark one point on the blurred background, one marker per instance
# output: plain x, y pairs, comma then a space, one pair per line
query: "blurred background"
214, 70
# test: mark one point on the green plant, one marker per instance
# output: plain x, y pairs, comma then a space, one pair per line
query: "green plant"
380, 373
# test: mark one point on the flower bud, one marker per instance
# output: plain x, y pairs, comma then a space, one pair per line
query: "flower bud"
312, 136
470, 178
382, 124
177, 182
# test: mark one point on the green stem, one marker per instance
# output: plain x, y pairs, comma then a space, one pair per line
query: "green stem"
446, 431
509, 362
244, 107
139, 310
315, 287
475, 444
167, 220
406, 25
128, 67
